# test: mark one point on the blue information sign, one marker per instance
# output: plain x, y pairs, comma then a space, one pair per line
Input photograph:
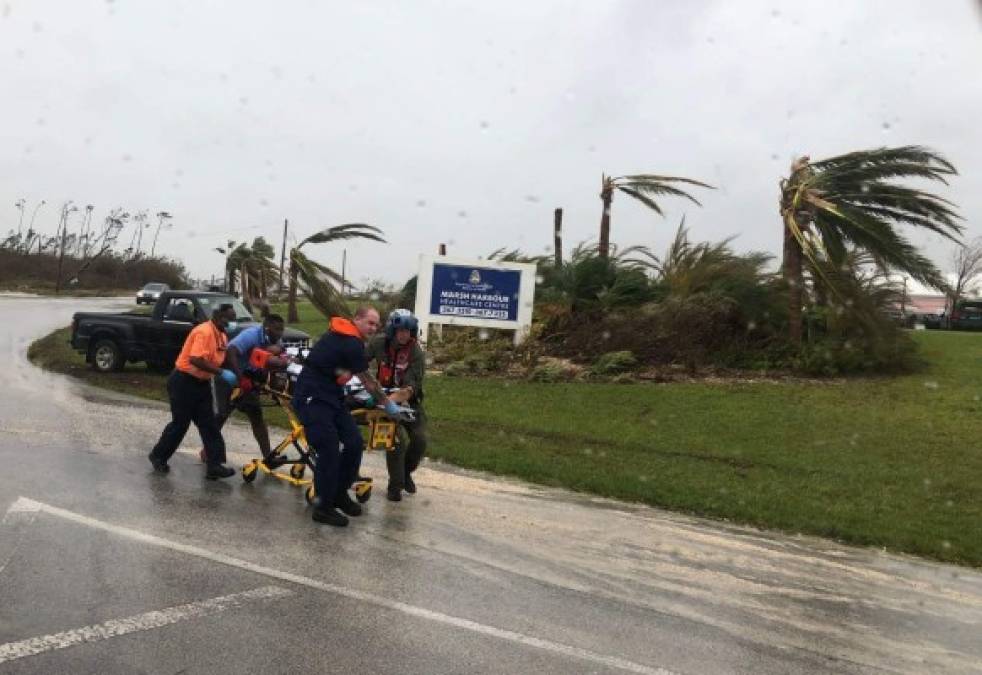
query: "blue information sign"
475, 292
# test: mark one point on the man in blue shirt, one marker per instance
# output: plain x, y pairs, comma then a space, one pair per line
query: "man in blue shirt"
318, 399
266, 336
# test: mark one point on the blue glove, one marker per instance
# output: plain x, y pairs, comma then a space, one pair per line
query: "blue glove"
391, 409
229, 377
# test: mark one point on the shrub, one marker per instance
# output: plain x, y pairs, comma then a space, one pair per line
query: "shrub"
614, 363
550, 372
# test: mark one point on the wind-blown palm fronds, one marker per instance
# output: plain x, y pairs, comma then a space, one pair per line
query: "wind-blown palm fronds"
849, 200
644, 188
318, 280
688, 268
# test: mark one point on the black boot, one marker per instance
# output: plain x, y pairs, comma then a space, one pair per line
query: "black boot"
393, 494
329, 517
347, 505
410, 486
216, 471
159, 465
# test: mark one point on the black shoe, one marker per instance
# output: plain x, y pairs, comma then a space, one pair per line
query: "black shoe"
331, 517
346, 505
159, 465
219, 471
393, 494
410, 485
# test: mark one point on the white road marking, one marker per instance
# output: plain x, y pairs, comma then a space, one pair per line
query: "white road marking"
361, 596
135, 624
15, 522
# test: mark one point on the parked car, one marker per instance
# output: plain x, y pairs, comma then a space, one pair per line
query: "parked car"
111, 340
967, 315
150, 293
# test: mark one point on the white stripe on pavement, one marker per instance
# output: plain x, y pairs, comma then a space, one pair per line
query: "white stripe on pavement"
15, 523
135, 624
361, 596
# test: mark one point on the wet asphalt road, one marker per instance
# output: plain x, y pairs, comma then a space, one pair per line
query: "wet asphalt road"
472, 574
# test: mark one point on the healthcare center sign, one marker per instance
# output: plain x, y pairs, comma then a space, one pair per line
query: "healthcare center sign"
486, 293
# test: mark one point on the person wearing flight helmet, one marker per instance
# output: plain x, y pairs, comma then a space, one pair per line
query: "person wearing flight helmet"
401, 364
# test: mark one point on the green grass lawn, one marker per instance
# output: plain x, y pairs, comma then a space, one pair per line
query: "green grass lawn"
888, 462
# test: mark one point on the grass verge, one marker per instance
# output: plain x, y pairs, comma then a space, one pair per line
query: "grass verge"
886, 462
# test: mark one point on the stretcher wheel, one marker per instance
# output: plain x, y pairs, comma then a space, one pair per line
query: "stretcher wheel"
363, 490
310, 495
249, 472
297, 470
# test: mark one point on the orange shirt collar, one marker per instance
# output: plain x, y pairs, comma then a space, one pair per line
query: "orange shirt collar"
345, 327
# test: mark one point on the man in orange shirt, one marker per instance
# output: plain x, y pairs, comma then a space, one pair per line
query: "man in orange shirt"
192, 395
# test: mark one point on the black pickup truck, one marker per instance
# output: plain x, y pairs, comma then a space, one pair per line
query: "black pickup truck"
110, 341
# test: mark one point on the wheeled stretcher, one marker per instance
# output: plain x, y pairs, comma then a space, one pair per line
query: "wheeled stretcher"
383, 433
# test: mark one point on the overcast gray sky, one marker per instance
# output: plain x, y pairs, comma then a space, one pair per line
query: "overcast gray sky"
467, 122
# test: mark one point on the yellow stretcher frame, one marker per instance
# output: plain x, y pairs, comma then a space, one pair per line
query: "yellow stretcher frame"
382, 435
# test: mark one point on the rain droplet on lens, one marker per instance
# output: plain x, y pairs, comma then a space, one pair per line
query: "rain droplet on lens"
484, 334
885, 126
421, 203
264, 202
6, 10
127, 158
539, 279
462, 214
484, 125
775, 14
532, 198
37, 27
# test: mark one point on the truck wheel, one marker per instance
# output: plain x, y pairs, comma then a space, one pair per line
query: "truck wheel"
107, 356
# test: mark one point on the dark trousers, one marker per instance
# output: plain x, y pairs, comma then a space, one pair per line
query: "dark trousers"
191, 400
408, 453
249, 405
327, 428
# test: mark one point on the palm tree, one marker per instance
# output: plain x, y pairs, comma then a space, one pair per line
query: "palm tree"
851, 200
643, 187
318, 280
161, 217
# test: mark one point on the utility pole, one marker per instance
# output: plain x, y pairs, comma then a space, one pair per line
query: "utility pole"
557, 235
286, 224
344, 271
